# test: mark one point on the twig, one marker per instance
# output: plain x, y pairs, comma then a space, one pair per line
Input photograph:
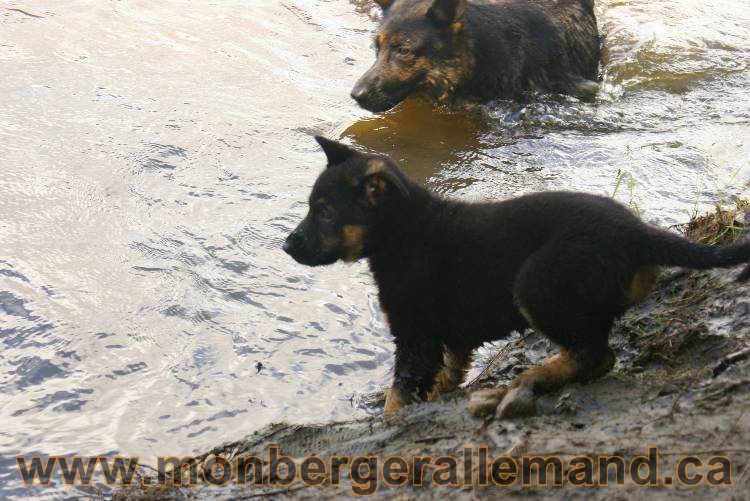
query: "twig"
27, 13
737, 421
273, 493
433, 439
681, 394
744, 474
500, 353
730, 360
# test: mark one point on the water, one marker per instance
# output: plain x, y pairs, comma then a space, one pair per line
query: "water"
154, 155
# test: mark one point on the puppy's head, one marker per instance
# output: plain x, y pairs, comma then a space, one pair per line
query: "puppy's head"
355, 195
420, 50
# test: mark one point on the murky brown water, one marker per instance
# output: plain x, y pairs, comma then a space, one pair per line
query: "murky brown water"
154, 155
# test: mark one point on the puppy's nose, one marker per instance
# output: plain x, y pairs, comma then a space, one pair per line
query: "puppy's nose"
292, 242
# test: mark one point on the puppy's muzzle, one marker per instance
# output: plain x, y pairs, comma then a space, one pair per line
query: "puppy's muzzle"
294, 243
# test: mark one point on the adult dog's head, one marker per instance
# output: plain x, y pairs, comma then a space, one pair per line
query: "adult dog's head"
351, 200
421, 49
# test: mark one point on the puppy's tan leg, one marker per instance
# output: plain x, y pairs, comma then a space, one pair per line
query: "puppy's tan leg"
452, 374
392, 402
418, 362
550, 376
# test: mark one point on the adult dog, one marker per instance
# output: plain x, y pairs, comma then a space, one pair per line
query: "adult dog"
481, 50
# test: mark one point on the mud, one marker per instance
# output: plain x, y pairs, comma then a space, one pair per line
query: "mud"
681, 383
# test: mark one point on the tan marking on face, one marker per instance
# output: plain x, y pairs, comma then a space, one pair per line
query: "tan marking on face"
422, 66
374, 166
352, 242
396, 39
398, 73
442, 80
641, 285
374, 189
405, 75
423, 63
328, 244
382, 40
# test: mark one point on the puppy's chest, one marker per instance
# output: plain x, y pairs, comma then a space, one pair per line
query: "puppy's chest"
442, 290
409, 284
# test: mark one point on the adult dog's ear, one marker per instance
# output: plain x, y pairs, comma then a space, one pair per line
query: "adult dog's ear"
447, 13
379, 179
384, 4
336, 152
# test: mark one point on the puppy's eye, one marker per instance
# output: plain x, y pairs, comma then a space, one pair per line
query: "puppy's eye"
325, 214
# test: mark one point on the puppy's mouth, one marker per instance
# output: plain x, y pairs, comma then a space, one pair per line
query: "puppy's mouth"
313, 260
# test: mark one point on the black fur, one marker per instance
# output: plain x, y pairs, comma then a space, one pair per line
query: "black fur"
496, 49
452, 275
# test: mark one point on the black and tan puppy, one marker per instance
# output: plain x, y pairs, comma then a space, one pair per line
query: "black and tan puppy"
452, 275
481, 50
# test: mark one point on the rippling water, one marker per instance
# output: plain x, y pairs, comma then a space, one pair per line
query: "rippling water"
154, 155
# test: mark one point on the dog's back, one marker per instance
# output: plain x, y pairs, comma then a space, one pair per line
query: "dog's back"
543, 45
481, 50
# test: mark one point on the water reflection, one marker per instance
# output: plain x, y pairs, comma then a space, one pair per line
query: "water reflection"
422, 138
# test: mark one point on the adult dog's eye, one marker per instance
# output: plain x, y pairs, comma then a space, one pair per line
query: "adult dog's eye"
403, 50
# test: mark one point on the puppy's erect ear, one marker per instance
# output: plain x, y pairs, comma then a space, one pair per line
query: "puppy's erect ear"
448, 13
378, 179
335, 151
384, 4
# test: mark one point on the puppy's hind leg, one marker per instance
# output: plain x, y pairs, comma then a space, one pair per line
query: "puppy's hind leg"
565, 367
570, 296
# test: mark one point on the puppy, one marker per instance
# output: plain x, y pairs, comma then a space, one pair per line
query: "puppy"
452, 275
481, 50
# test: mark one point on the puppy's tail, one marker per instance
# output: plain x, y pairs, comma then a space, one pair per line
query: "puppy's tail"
667, 249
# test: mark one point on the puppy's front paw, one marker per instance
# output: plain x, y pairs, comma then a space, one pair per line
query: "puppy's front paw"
393, 403
484, 402
519, 402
